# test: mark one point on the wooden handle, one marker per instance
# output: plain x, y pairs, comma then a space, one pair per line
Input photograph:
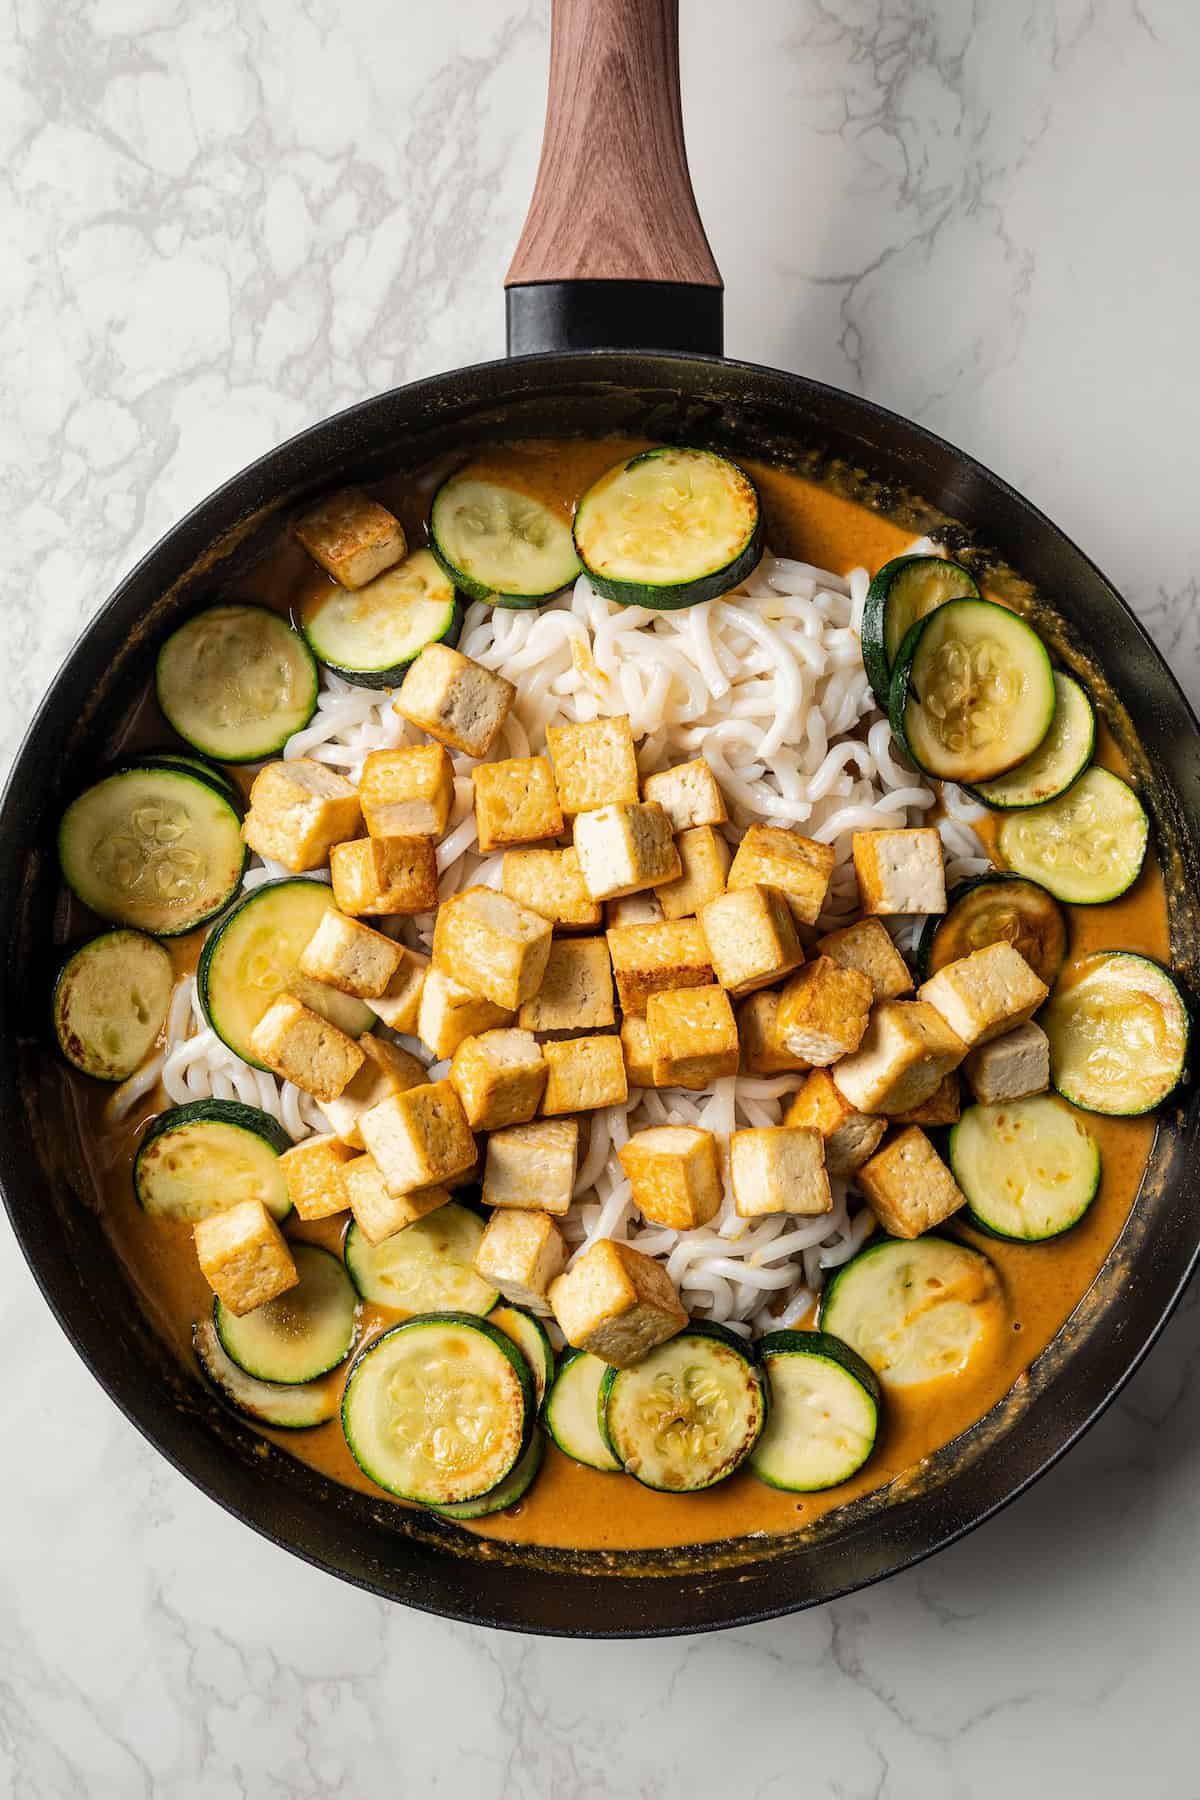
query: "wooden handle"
613, 199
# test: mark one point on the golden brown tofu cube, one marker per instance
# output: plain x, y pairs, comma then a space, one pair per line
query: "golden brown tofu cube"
650, 959
900, 871
419, 1138
1011, 1067
378, 1212
407, 792
492, 945
943, 1107
675, 1173
449, 1013
585, 1072
313, 1172
400, 1003
908, 1186
385, 875
550, 882
638, 1052
751, 938
823, 1011
906, 1050
499, 1076
532, 1166
577, 989
689, 794
303, 1048
352, 537
298, 812
779, 1169
633, 909
800, 867
455, 700
386, 1070
350, 957
516, 802
616, 1303
850, 1136
693, 1037
622, 849
983, 995
763, 1050
866, 946
244, 1257
594, 764
521, 1253
704, 855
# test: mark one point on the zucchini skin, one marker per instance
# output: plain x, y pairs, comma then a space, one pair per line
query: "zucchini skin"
191, 763
393, 676
995, 805
476, 590
207, 1346
715, 1333
565, 1362
513, 1488
218, 1112
822, 1346
873, 634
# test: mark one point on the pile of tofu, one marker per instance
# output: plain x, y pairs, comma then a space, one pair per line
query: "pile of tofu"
630, 944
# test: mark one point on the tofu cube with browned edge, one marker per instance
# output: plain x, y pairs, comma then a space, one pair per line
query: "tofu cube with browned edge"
584, 1073
1011, 1067
379, 1213
521, 1253
352, 537
455, 700
594, 764
638, 1052
492, 945
385, 875
386, 1070
985, 994
866, 946
693, 1037
516, 802
704, 856
900, 871
649, 959
532, 1166
751, 938
499, 1076
633, 909
449, 1013
577, 989
616, 1303
906, 1051
800, 867
550, 882
823, 1011
763, 1049
298, 812
244, 1256
350, 957
419, 1138
689, 794
943, 1107
623, 849
400, 1002
407, 792
313, 1172
908, 1186
849, 1136
301, 1047
779, 1169
675, 1174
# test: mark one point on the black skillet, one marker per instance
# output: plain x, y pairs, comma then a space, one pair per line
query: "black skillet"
613, 260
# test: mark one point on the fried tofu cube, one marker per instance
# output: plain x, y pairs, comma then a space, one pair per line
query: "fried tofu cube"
399, 1004
298, 812
616, 1303
492, 945
900, 871
638, 1052
419, 1138
407, 792
352, 537
763, 1050
779, 1169
521, 1253
577, 989
1011, 1067
449, 1013
866, 946
823, 1011
313, 1172
455, 700
499, 1076
386, 1070
585, 1073
532, 1166
244, 1256
908, 1186
634, 909
516, 802
550, 882
751, 938
378, 1212
693, 1037
385, 875
594, 764
675, 1173
985, 994
650, 959
350, 957
906, 1050
849, 1136
943, 1107
301, 1047
689, 795
704, 856
622, 849
800, 867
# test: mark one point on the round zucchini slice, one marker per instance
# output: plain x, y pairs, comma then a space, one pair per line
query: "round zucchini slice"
1088, 846
235, 682
689, 1413
573, 1412
972, 692
996, 909
498, 544
370, 635
198, 1159
1118, 1033
529, 1335
301, 1334
824, 1417
1029, 1168
1059, 760
427, 1267
439, 1409
156, 848
110, 1003
915, 1312
906, 589
514, 1487
296, 1408
669, 528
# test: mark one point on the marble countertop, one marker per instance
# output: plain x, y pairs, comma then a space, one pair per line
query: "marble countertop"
222, 221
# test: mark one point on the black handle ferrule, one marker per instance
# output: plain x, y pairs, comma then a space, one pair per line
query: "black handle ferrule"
614, 315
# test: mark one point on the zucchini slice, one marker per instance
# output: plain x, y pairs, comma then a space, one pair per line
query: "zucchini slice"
156, 848
996, 909
198, 765
1029, 1168
303, 1333
689, 1413
110, 1003
824, 1417
529, 1335
915, 1312
905, 590
972, 692
514, 1487
198, 1159
370, 635
573, 1412
1118, 1034
498, 544
439, 1409
251, 958
427, 1267
1088, 846
669, 528
1059, 760
296, 1408
235, 682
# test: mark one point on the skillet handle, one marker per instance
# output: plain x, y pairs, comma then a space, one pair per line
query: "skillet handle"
613, 253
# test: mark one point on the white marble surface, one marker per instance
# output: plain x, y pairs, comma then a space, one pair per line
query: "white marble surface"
220, 221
